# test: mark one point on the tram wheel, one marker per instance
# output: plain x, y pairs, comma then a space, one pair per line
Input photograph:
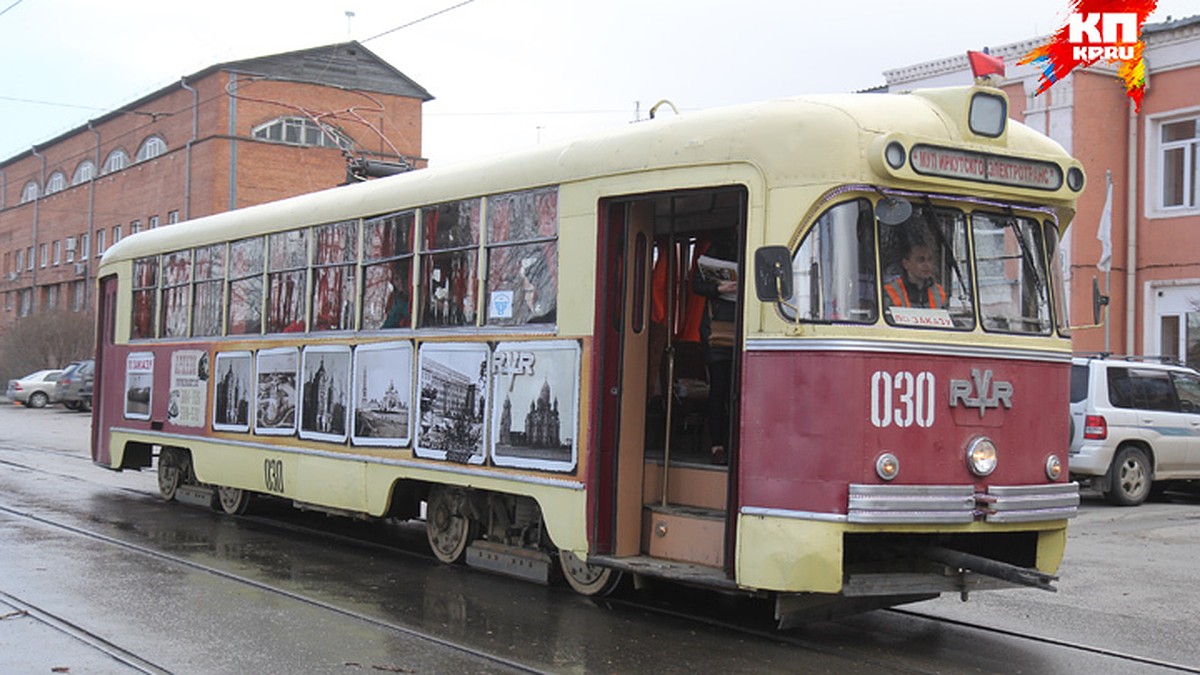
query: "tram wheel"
589, 580
170, 473
233, 501
449, 528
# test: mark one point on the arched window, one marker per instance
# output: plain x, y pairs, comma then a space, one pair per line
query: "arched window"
117, 159
84, 172
302, 131
56, 182
30, 192
151, 147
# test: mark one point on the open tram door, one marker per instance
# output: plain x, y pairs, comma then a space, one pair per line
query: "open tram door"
661, 502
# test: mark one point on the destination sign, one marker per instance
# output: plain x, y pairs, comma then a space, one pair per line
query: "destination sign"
934, 161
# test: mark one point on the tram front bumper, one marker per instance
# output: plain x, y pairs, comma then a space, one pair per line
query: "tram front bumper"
949, 504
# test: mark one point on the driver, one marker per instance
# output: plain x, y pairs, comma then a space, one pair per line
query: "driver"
915, 286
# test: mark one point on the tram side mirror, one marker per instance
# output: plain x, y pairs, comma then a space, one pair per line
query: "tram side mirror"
773, 273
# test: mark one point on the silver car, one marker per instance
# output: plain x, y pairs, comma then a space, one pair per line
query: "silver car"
1135, 426
35, 389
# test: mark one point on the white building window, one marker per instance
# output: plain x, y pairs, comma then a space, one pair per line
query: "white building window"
153, 222
151, 147
72, 242
30, 192
45, 253
99, 243
302, 131
117, 159
1179, 151
172, 217
57, 253
56, 182
84, 172
29, 258
84, 246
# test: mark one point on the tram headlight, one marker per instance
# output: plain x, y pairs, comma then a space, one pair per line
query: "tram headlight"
895, 155
981, 456
887, 466
1054, 467
1075, 178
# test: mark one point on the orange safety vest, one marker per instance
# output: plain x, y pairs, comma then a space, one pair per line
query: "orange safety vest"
897, 290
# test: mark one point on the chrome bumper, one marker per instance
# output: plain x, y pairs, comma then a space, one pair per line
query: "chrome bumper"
961, 503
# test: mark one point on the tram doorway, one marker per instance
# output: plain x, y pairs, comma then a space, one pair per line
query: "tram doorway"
669, 384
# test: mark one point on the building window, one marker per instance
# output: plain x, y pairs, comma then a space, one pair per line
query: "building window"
151, 147
172, 217
29, 258
302, 131
51, 297
20, 260
1179, 150
153, 222
84, 246
56, 182
44, 251
57, 253
84, 172
30, 192
78, 296
71, 243
26, 302
116, 234
117, 159
99, 243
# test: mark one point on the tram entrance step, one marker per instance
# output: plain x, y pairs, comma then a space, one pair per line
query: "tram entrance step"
195, 494
685, 534
510, 560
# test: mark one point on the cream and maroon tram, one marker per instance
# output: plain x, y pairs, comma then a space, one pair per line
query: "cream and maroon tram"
513, 350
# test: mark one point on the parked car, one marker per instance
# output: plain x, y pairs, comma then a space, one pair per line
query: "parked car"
1135, 426
35, 389
74, 389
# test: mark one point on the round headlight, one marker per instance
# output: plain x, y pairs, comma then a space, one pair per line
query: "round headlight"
887, 466
1053, 467
981, 456
894, 154
1075, 178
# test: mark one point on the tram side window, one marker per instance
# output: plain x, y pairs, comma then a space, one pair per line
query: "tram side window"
1013, 288
246, 259
208, 295
335, 252
926, 270
145, 288
834, 269
522, 258
449, 264
287, 281
387, 271
176, 294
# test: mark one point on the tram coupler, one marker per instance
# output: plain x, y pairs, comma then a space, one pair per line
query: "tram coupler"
992, 568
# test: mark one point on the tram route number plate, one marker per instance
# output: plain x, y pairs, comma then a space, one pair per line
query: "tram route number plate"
902, 399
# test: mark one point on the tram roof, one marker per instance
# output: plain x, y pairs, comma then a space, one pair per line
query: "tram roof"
768, 135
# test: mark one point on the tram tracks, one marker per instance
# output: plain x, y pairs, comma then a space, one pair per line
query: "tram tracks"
123, 656
796, 638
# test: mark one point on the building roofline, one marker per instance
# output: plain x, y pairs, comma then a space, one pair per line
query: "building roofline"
251, 66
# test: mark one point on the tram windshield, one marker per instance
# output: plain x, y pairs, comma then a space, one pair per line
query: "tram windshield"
943, 266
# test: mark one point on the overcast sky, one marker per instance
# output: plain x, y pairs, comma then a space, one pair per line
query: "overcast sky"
505, 73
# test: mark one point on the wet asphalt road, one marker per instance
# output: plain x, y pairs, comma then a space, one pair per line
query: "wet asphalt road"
98, 575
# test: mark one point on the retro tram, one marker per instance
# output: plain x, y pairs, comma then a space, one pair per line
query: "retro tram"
519, 352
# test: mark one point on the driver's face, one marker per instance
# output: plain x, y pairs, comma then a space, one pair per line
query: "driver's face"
919, 264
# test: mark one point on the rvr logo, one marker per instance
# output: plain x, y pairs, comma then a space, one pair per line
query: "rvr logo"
980, 392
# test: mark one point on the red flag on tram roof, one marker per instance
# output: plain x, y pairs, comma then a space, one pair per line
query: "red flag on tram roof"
983, 64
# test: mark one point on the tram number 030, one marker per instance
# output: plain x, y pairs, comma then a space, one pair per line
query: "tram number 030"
902, 399
273, 475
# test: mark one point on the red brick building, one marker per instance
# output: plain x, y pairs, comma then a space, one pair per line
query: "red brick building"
232, 135
1153, 156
